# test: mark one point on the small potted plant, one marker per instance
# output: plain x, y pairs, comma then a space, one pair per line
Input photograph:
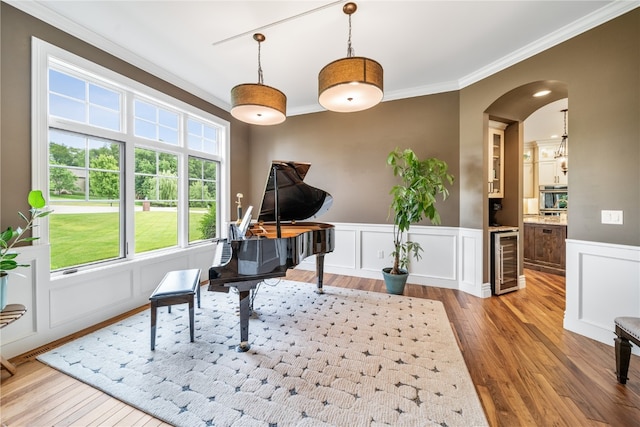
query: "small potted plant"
413, 200
10, 237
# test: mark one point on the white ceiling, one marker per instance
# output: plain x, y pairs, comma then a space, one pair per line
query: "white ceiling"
547, 122
206, 47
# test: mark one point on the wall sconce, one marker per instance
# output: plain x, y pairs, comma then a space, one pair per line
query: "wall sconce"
350, 84
256, 103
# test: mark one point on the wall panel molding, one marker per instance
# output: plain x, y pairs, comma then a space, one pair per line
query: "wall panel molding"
452, 256
602, 282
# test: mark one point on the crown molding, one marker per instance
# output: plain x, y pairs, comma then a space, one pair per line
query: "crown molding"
588, 22
39, 10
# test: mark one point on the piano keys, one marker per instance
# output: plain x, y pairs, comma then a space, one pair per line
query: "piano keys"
269, 248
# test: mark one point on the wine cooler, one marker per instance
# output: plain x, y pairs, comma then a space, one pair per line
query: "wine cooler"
504, 262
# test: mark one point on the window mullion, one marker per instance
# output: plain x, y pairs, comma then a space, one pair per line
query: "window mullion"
129, 178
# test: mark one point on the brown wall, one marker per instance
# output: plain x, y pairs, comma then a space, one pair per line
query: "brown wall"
348, 153
601, 69
511, 212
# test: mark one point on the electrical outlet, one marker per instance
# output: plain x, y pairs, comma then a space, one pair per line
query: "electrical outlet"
380, 254
611, 217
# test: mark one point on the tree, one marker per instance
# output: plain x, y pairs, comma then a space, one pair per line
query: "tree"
199, 195
61, 179
60, 154
168, 186
208, 223
104, 183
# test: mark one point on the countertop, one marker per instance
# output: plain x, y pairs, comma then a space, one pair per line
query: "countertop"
502, 228
545, 219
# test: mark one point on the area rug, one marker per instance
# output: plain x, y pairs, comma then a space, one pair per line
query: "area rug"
343, 358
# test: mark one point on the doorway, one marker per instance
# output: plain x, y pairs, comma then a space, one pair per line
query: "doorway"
513, 108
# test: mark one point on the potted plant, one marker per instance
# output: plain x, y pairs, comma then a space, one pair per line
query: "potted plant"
10, 237
413, 200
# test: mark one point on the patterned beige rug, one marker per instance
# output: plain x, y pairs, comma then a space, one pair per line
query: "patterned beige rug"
345, 358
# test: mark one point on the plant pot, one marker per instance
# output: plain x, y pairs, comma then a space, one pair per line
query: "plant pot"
394, 282
3, 290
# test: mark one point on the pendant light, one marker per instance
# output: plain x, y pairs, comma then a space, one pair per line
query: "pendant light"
256, 103
350, 84
562, 154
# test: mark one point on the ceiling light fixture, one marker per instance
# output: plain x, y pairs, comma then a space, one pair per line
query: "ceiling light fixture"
350, 84
256, 103
562, 153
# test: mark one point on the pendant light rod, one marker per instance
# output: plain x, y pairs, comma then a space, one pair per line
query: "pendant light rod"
350, 9
259, 38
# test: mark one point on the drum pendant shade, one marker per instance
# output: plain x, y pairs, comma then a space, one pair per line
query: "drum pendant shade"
350, 84
258, 104
353, 83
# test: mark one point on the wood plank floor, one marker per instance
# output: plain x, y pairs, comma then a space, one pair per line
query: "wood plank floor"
528, 370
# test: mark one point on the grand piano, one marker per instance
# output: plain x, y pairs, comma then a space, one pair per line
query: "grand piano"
276, 242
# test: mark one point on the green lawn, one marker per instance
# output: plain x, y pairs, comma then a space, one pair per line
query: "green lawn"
83, 238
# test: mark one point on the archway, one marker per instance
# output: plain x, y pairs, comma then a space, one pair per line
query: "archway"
511, 110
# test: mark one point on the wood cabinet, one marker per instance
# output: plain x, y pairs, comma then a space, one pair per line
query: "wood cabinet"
544, 247
496, 156
549, 171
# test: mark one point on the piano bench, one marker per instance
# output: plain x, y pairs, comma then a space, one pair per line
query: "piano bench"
177, 287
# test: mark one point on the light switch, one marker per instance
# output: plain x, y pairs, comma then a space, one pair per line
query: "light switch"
611, 217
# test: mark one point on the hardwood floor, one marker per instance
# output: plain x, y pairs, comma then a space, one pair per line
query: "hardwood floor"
528, 370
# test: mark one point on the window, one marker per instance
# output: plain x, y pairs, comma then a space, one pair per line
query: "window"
129, 170
202, 137
203, 175
155, 123
85, 184
81, 101
156, 178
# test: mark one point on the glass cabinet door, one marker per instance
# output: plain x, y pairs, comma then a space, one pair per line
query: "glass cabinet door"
496, 171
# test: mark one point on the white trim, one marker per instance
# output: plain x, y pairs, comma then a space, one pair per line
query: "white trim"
43, 13
452, 256
602, 283
592, 20
62, 305
43, 54
39, 130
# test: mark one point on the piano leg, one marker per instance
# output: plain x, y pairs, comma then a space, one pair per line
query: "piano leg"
244, 291
319, 272
245, 313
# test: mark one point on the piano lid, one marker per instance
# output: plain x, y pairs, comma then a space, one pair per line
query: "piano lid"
297, 200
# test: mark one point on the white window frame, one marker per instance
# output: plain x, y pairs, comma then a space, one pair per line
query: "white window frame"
44, 54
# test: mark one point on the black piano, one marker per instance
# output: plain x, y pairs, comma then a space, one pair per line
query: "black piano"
277, 242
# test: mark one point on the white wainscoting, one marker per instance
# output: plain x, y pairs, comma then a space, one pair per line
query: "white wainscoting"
602, 283
61, 305
64, 304
602, 280
452, 257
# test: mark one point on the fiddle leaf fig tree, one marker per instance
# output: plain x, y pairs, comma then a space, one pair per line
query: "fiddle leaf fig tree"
10, 237
413, 200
